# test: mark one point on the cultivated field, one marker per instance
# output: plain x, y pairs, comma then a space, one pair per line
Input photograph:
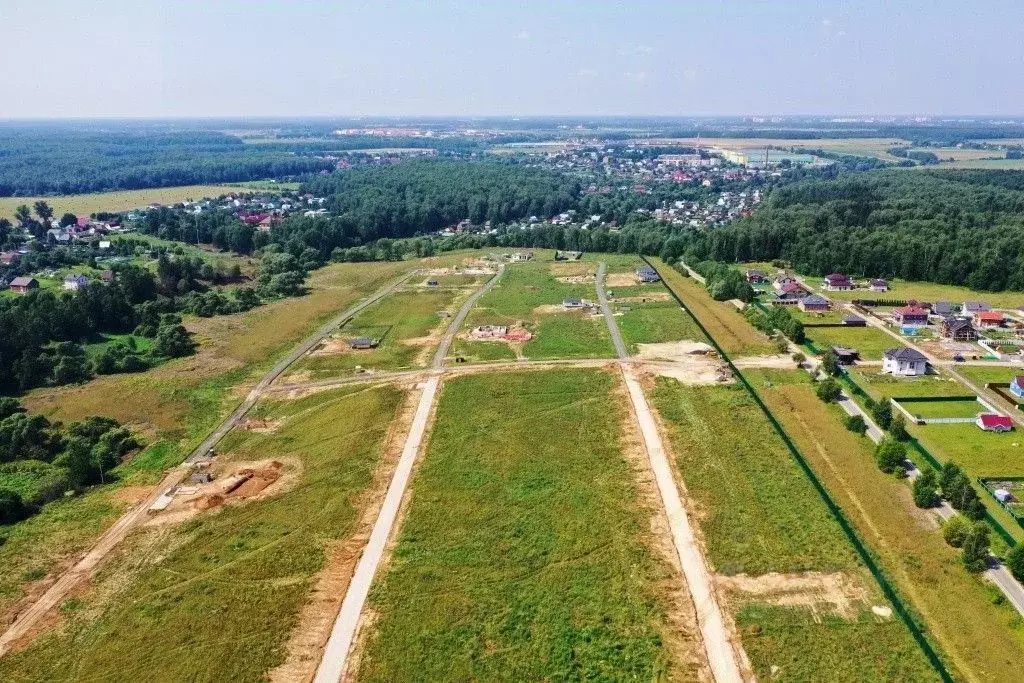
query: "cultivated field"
983, 637
124, 200
867, 147
217, 595
723, 320
522, 558
759, 514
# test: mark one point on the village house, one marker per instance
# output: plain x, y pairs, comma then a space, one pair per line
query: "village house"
782, 281
845, 355
521, 256
958, 329
904, 362
791, 293
755, 277
1017, 386
647, 274
879, 285
854, 321
990, 422
989, 319
22, 285
912, 314
838, 282
362, 343
572, 303
75, 282
972, 307
942, 308
814, 304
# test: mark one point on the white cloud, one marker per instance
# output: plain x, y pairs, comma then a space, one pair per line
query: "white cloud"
637, 76
826, 22
690, 75
586, 73
523, 35
634, 50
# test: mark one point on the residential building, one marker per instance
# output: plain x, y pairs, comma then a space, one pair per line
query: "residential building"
845, 355
755, 277
573, 303
942, 308
793, 291
989, 319
904, 362
1017, 386
990, 422
520, 256
912, 314
838, 282
22, 285
647, 274
75, 282
814, 304
879, 285
362, 343
854, 321
958, 329
972, 307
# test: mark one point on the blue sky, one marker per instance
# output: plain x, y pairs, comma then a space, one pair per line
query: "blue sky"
490, 57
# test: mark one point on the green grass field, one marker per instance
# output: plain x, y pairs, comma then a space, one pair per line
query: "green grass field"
406, 326
124, 200
523, 558
653, 322
220, 599
881, 385
982, 638
868, 341
954, 407
759, 514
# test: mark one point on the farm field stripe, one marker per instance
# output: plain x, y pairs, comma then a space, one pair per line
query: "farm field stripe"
717, 644
449, 337
862, 551
335, 657
63, 587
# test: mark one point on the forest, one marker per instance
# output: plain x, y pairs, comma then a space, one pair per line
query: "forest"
54, 160
950, 227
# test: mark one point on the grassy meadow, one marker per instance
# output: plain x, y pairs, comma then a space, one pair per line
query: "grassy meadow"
983, 637
216, 598
522, 558
759, 514
870, 342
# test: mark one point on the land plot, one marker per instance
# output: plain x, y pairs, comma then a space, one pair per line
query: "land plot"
173, 407
835, 315
953, 407
759, 514
654, 322
869, 341
868, 147
880, 385
217, 597
531, 295
722, 320
405, 326
982, 454
982, 639
522, 558
905, 290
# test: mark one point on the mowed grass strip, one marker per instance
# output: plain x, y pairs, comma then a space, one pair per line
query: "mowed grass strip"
723, 321
218, 598
870, 342
980, 635
524, 555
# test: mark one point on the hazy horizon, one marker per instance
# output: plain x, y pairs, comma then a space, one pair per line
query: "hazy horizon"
235, 59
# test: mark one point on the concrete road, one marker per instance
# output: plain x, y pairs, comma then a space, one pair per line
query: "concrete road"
460, 317
84, 568
722, 657
335, 658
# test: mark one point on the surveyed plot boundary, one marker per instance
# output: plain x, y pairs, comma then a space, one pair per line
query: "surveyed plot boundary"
110, 539
863, 553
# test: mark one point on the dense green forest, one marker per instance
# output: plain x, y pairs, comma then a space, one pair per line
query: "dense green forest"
44, 161
951, 227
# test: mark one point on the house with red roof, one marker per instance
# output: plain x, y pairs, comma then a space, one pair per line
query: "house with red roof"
1017, 386
989, 319
838, 282
990, 422
912, 314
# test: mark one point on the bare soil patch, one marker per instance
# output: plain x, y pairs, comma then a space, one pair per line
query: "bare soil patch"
578, 279
692, 363
571, 269
331, 346
833, 593
775, 362
621, 280
653, 296
132, 495
261, 426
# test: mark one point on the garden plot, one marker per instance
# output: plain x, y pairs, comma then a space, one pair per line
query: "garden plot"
522, 558
869, 341
943, 409
225, 594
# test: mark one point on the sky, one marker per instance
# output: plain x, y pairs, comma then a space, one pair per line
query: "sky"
225, 58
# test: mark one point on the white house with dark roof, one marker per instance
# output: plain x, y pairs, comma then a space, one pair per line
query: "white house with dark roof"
904, 362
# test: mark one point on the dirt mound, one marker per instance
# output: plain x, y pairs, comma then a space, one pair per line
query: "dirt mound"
674, 351
693, 363
621, 280
835, 593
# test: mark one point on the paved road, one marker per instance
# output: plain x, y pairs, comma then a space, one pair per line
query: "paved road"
453, 329
714, 633
335, 658
609, 317
84, 568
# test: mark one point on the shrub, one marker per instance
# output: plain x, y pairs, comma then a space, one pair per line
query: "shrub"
12, 508
976, 553
1015, 561
925, 489
898, 428
882, 413
955, 531
890, 454
828, 390
856, 424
